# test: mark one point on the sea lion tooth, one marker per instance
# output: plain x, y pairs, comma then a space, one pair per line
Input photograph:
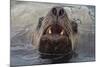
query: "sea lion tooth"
62, 32
49, 30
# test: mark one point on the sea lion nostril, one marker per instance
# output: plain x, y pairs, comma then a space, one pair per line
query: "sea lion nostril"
61, 12
54, 11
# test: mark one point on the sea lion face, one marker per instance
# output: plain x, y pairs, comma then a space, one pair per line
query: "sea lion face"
56, 33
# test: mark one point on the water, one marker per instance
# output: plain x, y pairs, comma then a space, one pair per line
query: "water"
24, 19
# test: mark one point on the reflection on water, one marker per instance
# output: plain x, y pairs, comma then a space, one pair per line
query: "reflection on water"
23, 23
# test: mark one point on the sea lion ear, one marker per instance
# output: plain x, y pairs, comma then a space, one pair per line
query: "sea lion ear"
74, 26
40, 22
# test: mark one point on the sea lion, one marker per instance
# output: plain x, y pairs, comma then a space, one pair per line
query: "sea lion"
55, 34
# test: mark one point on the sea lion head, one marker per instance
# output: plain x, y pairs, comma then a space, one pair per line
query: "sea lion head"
56, 33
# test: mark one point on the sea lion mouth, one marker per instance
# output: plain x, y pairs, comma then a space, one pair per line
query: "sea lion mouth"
55, 29
55, 41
